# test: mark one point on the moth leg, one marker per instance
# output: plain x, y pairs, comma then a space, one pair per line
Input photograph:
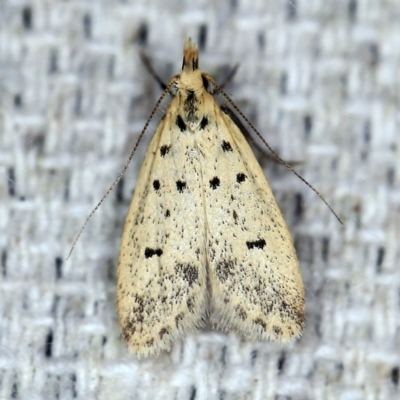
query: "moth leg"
147, 63
230, 76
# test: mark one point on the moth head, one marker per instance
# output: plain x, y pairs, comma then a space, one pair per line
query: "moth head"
190, 77
190, 56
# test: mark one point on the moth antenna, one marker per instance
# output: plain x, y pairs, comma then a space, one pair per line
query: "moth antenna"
164, 93
237, 109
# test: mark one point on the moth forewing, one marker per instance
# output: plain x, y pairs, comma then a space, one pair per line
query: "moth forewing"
204, 237
256, 283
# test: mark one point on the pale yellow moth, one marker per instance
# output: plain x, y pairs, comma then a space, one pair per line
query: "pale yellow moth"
204, 238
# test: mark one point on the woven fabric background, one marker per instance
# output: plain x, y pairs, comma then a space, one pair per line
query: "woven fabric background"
320, 79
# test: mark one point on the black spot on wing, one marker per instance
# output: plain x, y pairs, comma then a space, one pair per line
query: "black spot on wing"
214, 183
181, 186
167, 214
226, 146
240, 178
180, 123
164, 150
258, 244
203, 123
156, 184
148, 253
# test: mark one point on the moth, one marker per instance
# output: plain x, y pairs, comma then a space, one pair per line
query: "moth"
204, 239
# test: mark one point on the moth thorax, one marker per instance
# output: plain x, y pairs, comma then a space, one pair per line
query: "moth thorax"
191, 80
